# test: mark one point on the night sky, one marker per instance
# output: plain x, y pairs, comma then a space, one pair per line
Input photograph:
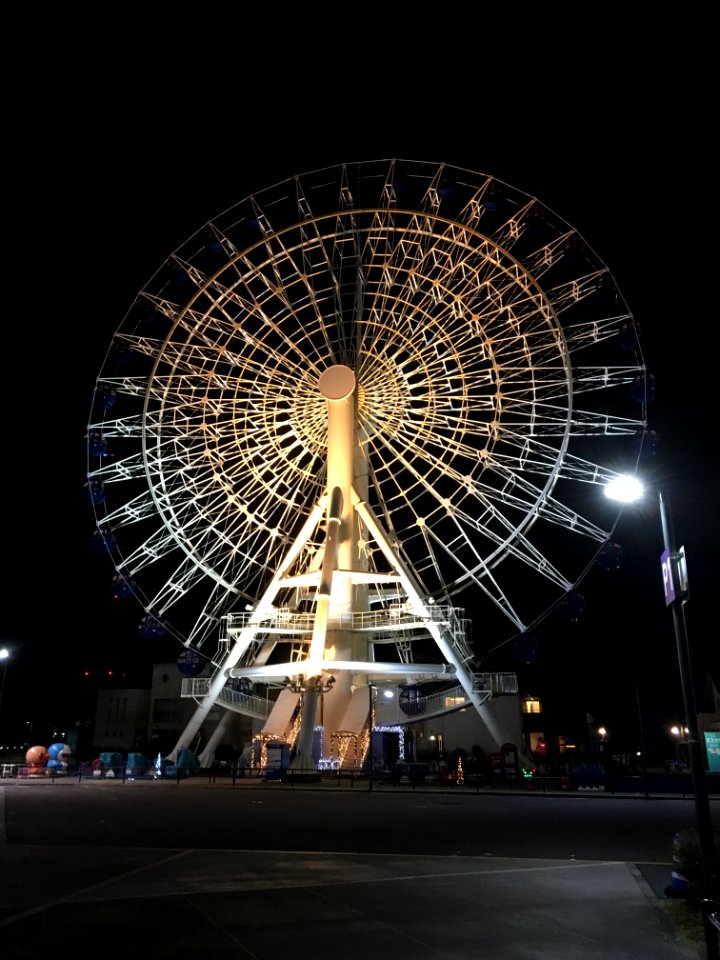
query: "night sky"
103, 195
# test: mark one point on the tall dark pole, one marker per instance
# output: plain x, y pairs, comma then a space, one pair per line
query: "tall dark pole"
4, 657
676, 592
641, 729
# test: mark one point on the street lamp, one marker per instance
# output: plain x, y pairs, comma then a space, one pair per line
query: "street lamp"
675, 585
679, 738
4, 657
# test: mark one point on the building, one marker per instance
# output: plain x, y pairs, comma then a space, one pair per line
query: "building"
150, 721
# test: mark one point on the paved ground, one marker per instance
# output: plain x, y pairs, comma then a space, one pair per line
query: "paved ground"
157, 901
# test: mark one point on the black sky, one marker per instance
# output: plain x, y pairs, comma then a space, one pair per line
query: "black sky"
113, 167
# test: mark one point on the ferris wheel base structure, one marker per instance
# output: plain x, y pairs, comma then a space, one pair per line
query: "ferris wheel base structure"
345, 691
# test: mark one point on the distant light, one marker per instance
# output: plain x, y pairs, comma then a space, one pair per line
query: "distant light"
624, 488
4, 653
389, 694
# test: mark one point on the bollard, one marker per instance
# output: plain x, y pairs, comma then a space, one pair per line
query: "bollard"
678, 887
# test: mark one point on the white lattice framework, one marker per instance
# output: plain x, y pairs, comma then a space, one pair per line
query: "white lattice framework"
492, 394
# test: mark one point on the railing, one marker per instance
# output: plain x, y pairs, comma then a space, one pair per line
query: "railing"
497, 683
414, 775
485, 685
444, 701
398, 619
389, 618
258, 707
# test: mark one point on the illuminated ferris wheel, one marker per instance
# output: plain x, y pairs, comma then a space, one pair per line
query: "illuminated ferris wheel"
495, 376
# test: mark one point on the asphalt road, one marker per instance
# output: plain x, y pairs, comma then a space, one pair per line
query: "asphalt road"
257, 816
266, 871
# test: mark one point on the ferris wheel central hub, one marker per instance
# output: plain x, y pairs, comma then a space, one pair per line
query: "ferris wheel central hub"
337, 382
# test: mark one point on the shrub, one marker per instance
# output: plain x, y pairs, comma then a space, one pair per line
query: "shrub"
690, 863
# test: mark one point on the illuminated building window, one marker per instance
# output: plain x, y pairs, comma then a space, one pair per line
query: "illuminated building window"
454, 701
531, 705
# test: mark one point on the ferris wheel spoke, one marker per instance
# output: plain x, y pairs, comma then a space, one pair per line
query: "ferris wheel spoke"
330, 251
513, 544
126, 512
551, 252
568, 296
551, 383
130, 425
583, 335
480, 576
534, 457
536, 503
499, 528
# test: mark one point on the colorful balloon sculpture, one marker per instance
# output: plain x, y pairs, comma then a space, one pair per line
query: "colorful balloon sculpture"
60, 756
36, 759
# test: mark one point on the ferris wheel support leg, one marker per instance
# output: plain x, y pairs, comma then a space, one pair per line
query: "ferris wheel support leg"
495, 729
262, 608
194, 724
208, 754
303, 759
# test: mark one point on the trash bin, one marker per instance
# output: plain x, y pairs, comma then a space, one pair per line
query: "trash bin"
278, 760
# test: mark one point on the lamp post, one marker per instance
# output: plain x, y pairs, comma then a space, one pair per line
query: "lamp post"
4, 657
641, 731
675, 584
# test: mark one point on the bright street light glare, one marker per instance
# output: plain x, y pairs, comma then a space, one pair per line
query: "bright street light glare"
624, 488
4, 653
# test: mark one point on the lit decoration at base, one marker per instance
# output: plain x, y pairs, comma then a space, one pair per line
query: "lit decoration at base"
329, 764
259, 756
400, 731
344, 747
